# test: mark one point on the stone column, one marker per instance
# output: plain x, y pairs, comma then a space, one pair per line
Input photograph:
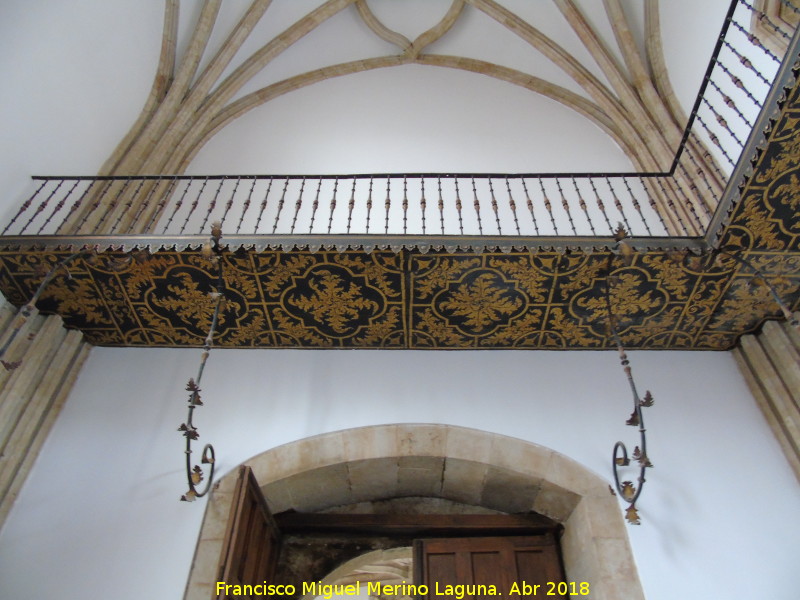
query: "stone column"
770, 362
32, 392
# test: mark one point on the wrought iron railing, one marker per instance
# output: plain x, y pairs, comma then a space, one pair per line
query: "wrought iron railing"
417, 204
682, 202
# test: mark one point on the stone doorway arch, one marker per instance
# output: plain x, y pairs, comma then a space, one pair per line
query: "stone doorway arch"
438, 461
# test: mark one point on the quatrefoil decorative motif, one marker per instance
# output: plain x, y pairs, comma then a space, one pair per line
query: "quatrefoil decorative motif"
409, 48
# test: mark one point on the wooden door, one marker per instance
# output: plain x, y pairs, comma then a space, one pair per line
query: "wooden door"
484, 567
252, 542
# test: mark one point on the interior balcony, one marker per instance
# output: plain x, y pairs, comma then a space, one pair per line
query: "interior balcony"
697, 255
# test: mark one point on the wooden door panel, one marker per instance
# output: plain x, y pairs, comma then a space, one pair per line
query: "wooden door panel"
502, 562
444, 565
538, 565
252, 539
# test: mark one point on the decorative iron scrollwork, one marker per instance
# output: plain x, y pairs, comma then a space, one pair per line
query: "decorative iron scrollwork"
629, 491
194, 473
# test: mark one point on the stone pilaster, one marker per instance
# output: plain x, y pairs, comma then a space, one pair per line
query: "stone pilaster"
32, 393
770, 362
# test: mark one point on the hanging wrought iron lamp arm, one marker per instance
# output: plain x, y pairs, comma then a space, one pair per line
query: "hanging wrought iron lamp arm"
194, 473
626, 489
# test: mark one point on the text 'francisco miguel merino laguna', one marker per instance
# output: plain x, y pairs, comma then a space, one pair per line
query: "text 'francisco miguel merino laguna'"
376, 588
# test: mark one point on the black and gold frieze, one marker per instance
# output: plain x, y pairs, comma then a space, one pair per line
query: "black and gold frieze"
404, 300
293, 300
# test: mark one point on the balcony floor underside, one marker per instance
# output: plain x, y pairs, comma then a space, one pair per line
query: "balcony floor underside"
384, 299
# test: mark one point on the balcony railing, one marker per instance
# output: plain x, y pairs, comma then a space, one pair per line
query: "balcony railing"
736, 98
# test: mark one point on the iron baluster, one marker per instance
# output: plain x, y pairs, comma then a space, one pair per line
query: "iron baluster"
513, 206
333, 202
298, 204
263, 206
671, 204
94, 207
229, 204
441, 204
351, 205
213, 204
693, 188
788, 4
75, 206
58, 207
529, 203
618, 205
195, 202
458, 208
601, 205
494, 208
387, 205
315, 207
423, 204
25, 206
723, 123
129, 204
583, 206
638, 206
688, 202
745, 61
280, 205
405, 205
246, 205
707, 158
161, 204
113, 204
565, 204
369, 203
731, 104
739, 84
548, 206
177, 207
764, 18
476, 203
715, 140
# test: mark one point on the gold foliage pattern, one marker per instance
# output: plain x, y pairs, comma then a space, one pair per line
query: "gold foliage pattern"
334, 302
481, 303
408, 300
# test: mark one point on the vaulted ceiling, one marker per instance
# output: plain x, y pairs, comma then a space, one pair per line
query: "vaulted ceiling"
399, 76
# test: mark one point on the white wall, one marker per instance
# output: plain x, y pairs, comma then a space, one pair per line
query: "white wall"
100, 515
100, 511
75, 76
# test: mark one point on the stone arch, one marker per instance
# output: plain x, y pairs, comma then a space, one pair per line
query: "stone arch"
455, 463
